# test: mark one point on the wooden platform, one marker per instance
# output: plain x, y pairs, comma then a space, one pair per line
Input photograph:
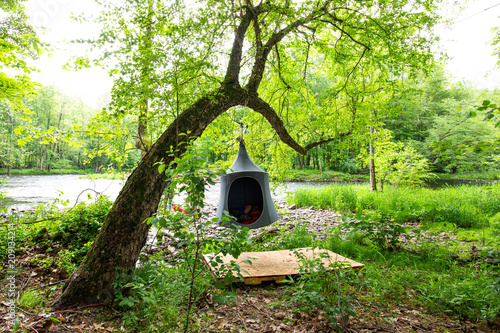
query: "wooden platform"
277, 265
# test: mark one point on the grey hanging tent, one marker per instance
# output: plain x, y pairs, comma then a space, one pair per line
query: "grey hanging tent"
246, 185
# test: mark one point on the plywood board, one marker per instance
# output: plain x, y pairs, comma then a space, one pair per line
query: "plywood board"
277, 265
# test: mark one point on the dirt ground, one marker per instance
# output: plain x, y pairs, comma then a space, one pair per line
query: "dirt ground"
250, 313
254, 311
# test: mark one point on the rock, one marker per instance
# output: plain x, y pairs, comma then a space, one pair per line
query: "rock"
292, 207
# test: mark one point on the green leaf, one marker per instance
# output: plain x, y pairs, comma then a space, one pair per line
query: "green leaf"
162, 222
161, 168
488, 116
467, 116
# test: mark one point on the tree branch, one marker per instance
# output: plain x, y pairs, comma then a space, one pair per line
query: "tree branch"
262, 53
279, 67
234, 66
259, 105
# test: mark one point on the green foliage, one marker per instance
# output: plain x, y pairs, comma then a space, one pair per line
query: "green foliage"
495, 224
31, 299
18, 43
387, 231
81, 224
400, 165
465, 206
154, 297
70, 259
475, 140
48, 134
77, 230
297, 237
427, 276
324, 287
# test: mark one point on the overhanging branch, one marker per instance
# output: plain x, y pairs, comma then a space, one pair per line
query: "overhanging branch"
259, 105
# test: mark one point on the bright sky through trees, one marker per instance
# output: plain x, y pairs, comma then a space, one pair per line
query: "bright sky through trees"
466, 42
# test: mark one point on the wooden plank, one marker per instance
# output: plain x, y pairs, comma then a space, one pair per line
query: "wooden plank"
277, 265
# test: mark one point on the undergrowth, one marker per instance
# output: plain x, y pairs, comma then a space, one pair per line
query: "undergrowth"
465, 206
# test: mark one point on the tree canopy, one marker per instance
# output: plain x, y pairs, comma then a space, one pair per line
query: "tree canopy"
183, 64
17, 43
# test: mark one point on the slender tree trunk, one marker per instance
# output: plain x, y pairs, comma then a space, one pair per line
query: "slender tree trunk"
47, 157
97, 164
142, 141
41, 158
319, 158
373, 180
10, 144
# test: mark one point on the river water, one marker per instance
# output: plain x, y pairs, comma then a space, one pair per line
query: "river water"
25, 192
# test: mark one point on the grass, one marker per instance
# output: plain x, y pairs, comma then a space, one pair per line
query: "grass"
484, 175
441, 277
427, 277
315, 176
465, 206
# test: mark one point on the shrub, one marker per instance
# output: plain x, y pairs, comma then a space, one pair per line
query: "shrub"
81, 224
495, 224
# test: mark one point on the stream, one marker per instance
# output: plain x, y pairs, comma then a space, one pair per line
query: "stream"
27, 191
24, 192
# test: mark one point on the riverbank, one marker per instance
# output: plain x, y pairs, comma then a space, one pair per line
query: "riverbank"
325, 176
392, 293
291, 175
35, 172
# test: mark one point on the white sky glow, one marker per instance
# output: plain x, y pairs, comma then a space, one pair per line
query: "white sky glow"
467, 43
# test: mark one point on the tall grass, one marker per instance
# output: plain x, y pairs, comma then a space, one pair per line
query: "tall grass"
483, 175
466, 206
429, 279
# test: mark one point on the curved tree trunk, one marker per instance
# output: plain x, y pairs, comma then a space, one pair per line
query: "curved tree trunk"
123, 233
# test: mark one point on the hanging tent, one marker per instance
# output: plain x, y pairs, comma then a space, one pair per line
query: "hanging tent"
245, 187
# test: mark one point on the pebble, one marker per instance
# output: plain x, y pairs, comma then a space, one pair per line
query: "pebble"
318, 222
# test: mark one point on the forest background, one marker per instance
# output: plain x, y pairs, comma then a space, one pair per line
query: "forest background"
55, 133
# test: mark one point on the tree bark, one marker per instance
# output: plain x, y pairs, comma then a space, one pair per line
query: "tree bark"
373, 180
123, 233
